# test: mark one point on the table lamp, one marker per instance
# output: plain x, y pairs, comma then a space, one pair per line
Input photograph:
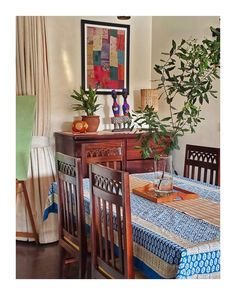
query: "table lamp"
149, 97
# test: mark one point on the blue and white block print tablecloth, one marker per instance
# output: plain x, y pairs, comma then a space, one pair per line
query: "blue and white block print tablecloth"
169, 243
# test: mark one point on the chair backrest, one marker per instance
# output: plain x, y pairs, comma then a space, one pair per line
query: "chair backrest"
112, 244
202, 163
110, 154
72, 236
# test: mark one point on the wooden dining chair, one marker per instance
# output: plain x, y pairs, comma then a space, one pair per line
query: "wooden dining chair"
202, 163
72, 236
105, 153
111, 241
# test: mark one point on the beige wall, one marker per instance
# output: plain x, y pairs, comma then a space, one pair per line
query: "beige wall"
149, 37
164, 29
64, 45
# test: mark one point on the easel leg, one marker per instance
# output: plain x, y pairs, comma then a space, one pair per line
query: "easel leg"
22, 234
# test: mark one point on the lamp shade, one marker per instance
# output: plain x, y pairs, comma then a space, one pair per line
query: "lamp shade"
149, 97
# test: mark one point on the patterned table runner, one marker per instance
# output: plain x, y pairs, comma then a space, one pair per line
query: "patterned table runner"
200, 208
135, 182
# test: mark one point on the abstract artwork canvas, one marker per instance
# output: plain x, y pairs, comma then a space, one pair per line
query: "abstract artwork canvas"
105, 56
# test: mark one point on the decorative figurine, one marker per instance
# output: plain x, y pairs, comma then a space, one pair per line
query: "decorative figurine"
125, 105
115, 106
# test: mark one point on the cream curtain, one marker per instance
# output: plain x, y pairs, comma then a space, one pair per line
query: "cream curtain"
32, 79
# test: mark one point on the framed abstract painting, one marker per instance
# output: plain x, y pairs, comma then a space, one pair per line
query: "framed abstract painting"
105, 56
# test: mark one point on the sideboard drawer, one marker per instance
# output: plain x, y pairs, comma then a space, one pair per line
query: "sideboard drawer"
139, 166
136, 154
132, 152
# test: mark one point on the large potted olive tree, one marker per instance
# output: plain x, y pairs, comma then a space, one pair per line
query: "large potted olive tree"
187, 71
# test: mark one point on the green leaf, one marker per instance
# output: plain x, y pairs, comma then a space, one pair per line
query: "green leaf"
192, 129
155, 137
181, 55
163, 129
161, 95
215, 31
170, 69
182, 42
183, 50
167, 73
164, 53
76, 97
158, 69
212, 93
201, 100
169, 99
217, 76
206, 98
182, 65
173, 44
166, 119
171, 79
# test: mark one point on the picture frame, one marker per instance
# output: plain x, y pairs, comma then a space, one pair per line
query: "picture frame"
105, 51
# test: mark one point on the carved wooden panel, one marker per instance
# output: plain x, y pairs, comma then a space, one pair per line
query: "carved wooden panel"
110, 154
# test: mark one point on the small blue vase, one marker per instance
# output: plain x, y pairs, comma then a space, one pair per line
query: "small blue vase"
125, 106
115, 105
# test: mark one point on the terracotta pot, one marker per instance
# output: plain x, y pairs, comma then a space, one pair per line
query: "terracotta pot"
92, 121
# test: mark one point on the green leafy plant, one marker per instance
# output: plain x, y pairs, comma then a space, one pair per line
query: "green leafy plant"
187, 73
87, 102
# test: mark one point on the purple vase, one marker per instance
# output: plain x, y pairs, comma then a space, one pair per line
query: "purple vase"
115, 105
125, 105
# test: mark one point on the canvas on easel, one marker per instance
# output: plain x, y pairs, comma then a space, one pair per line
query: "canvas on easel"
25, 117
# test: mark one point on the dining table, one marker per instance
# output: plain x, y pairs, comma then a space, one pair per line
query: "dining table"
172, 240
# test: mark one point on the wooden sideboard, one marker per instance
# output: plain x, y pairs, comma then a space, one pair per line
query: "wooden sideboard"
71, 144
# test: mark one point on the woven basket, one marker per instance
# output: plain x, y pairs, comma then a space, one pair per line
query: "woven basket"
149, 97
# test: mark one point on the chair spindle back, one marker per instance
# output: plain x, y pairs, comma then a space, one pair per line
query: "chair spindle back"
202, 163
112, 245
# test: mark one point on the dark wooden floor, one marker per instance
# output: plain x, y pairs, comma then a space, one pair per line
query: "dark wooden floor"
39, 262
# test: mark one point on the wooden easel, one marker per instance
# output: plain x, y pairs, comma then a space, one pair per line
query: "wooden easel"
20, 187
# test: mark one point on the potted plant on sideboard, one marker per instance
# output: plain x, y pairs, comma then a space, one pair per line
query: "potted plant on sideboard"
187, 73
87, 102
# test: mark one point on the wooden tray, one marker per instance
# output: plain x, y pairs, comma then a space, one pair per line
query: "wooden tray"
147, 192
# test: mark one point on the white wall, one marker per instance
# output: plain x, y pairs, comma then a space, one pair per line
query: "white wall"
164, 29
64, 46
